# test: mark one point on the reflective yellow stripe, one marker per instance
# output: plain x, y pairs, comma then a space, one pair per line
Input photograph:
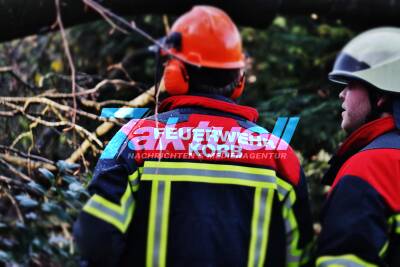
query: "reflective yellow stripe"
254, 226
118, 215
158, 224
208, 166
221, 174
262, 250
293, 253
211, 173
383, 250
348, 260
164, 224
140, 169
307, 252
262, 208
396, 219
284, 188
394, 227
152, 224
134, 181
211, 180
261, 179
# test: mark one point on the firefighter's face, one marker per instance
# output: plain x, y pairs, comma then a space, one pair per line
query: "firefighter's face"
356, 106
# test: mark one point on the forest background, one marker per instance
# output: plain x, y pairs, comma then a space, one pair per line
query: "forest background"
50, 140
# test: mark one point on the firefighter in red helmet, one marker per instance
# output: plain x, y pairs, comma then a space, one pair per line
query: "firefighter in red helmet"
204, 39
185, 187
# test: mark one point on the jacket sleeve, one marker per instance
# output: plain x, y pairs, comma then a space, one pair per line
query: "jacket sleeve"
299, 226
101, 228
354, 226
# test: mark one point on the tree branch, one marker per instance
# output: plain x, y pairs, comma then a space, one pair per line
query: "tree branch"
140, 101
89, 135
22, 154
27, 163
15, 171
69, 56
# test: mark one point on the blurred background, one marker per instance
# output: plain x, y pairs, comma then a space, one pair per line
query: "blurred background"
48, 151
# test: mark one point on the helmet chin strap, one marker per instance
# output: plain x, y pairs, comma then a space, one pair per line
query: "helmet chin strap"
377, 111
396, 111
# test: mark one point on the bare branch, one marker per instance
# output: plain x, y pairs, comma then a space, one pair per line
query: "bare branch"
140, 101
10, 113
22, 154
105, 13
88, 134
119, 84
108, 15
19, 137
15, 171
11, 181
13, 202
120, 66
42, 100
100, 105
6, 69
69, 56
27, 163
166, 24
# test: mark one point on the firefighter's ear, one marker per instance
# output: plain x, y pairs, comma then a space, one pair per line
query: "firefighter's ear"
176, 79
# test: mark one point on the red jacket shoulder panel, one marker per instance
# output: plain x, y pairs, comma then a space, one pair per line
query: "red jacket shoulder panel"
380, 168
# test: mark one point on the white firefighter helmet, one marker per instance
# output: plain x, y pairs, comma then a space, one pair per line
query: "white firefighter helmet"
372, 57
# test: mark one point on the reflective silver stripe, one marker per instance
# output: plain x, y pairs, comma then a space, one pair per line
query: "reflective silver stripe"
289, 232
290, 258
211, 173
134, 182
120, 217
282, 191
340, 262
347, 260
293, 254
287, 202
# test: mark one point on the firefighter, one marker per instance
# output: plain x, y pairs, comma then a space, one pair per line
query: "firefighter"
195, 185
361, 218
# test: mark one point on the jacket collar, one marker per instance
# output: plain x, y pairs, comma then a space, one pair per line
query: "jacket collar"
355, 142
175, 102
365, 134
